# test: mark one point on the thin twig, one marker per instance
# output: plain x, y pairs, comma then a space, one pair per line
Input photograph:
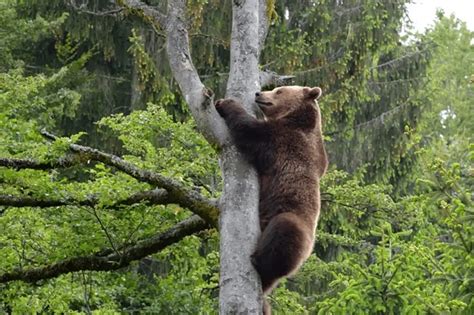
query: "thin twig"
103, 228
82, 9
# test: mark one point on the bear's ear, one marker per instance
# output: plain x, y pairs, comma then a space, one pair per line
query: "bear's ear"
312, 93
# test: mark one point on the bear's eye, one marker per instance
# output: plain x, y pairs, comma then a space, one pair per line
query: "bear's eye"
279, 92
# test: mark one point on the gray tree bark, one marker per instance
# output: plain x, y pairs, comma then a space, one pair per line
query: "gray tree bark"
240, 289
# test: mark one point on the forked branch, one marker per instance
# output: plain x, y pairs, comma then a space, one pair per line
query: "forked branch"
199, 98
177, 193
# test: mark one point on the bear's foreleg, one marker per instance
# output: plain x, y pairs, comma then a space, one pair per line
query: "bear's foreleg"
247, 132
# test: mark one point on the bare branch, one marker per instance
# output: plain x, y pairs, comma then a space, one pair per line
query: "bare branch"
177, 193
155, 197
272, 78
199, 98
27, 201
266, 78
112, 261
148, 10
36, 165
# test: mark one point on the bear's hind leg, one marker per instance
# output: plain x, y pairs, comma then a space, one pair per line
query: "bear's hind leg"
283, 246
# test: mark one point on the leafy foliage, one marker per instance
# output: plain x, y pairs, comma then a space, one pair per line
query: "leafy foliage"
396, 229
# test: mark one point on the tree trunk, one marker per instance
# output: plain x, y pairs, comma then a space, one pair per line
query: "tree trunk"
240, 288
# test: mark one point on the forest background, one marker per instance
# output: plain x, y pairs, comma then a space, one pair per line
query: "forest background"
82, 83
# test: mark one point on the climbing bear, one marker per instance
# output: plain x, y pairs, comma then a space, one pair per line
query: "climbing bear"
287, 150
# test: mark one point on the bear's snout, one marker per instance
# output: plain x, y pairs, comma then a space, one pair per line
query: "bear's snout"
261, 99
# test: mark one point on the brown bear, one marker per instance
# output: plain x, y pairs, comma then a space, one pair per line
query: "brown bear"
287, 150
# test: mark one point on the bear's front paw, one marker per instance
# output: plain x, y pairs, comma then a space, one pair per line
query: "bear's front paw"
222, 106
219, 105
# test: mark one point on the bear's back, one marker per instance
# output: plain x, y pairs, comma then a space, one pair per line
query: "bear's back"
290, 183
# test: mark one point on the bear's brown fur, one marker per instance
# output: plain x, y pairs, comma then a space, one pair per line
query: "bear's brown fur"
288, 153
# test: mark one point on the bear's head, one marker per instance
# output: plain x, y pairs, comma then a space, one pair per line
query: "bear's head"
281, 100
